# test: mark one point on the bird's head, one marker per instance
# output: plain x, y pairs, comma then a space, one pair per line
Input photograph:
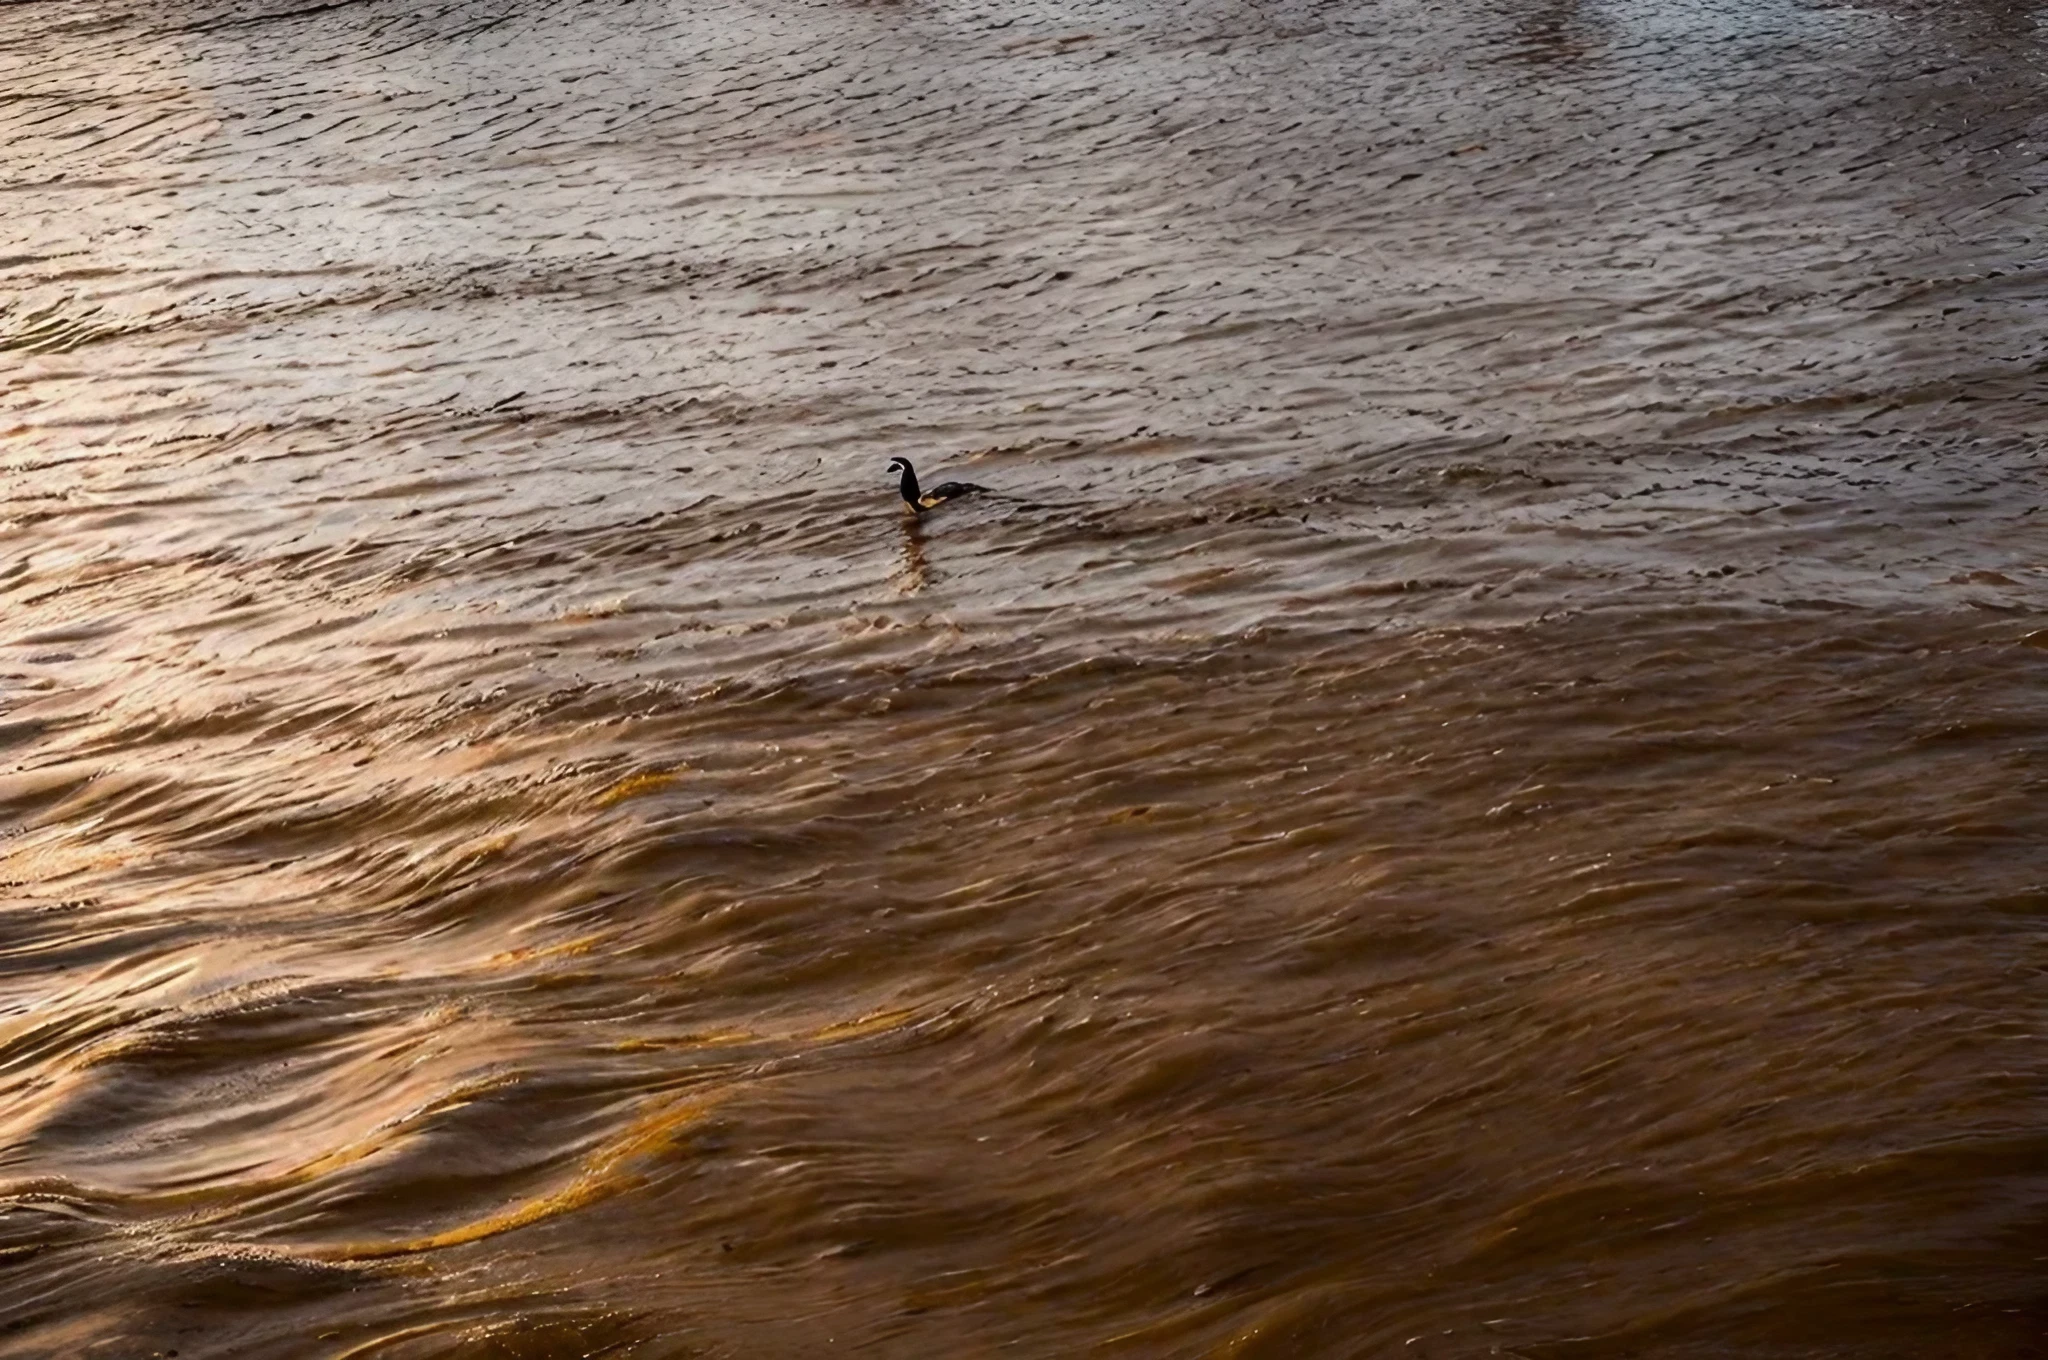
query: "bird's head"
899, 465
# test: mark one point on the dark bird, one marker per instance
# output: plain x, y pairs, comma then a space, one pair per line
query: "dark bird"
922, 501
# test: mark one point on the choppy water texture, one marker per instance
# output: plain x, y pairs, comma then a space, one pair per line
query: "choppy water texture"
1475, 790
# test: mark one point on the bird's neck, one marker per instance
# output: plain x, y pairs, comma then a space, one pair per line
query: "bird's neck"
910, 486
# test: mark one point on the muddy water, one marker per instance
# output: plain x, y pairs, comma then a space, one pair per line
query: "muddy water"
1473, 789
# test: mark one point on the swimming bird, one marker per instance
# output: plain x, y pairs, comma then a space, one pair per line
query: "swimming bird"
922, 501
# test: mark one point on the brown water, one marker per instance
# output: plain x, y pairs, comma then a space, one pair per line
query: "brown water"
1476, 788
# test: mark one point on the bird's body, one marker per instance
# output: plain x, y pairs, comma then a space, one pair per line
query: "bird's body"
922, 500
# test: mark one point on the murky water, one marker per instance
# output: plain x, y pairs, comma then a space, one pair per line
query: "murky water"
1475, 788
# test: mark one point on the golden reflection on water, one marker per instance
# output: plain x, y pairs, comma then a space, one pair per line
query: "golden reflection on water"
1473, 792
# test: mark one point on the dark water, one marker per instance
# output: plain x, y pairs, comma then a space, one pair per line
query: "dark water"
1474, 789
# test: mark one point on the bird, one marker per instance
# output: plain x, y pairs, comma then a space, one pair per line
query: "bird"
922, 501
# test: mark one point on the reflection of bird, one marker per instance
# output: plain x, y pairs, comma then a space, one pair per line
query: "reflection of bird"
922, 501
914, 574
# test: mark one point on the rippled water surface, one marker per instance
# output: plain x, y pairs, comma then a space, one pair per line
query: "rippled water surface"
1474, 788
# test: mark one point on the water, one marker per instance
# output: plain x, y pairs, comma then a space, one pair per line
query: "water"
1474, 788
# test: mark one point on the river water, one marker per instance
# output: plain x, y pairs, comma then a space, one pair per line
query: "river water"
1474, 787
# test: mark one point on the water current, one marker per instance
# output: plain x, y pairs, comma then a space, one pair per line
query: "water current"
1474, 787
